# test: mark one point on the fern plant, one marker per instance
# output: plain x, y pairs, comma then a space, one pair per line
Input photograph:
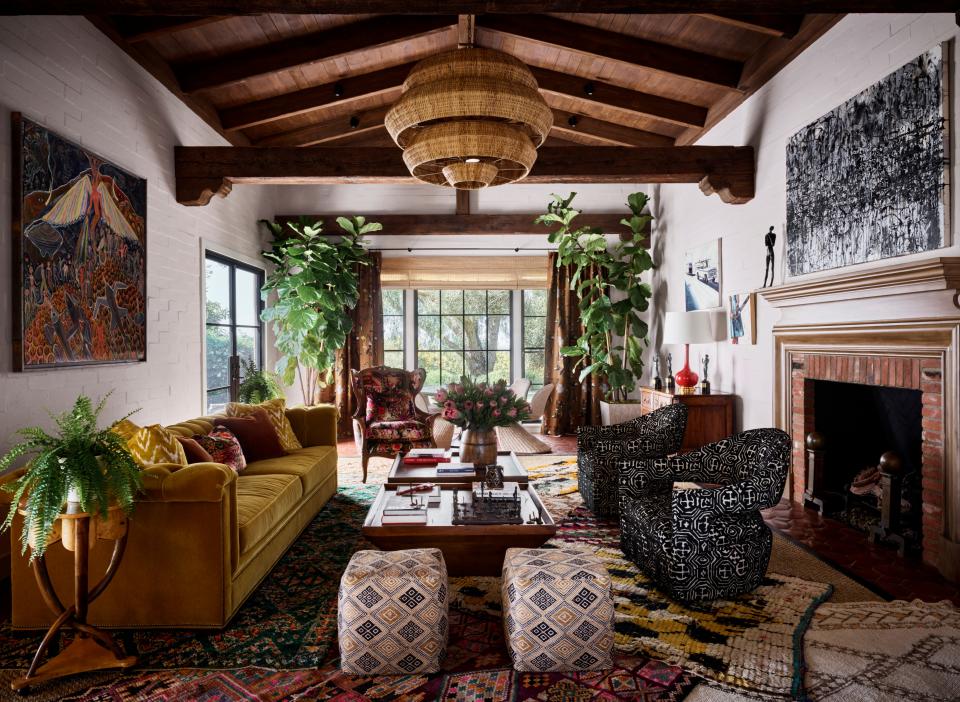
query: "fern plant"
79, 457
258, 385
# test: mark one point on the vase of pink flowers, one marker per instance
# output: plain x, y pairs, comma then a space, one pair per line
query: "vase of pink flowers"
479, 408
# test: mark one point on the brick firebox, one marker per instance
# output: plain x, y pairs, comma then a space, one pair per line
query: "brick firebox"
913, 373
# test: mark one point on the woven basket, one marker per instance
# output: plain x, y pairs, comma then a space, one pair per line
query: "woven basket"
470, 63
446, 144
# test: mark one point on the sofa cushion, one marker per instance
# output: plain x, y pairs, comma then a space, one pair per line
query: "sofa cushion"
312, 465
195, 452
411, 430
224, 448
155, 444
262, 503
256, 435
277, 412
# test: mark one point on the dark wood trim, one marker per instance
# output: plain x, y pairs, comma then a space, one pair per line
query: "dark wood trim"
572, 36
202, 171
463, 202
137, 28
770, 25
763, 66
155, 65
467, 224
365, 35
459, 7
345, 126
336, 93
595, 91
612, 134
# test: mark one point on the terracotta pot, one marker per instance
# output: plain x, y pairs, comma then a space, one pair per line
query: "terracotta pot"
478, 446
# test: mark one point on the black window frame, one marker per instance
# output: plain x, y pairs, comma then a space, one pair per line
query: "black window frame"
463, 351
523, 340
403, 326
232, 265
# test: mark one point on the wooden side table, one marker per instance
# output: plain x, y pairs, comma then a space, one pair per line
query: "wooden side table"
93, 648
710, 417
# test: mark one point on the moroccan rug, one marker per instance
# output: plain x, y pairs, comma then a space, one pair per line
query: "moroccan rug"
274, 646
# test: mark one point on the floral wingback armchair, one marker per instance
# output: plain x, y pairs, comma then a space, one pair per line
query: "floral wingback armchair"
387, 421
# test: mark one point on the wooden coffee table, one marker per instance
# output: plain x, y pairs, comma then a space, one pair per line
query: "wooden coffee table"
475, 549
400, 474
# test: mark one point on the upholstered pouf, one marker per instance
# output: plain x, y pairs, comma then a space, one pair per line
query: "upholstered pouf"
558, 610
392, 612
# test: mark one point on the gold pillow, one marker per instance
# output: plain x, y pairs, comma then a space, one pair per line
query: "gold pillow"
277, 413
125, 428
155, 444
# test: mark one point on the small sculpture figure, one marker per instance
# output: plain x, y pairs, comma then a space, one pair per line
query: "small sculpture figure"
657, 380
671, 383
769, 240
704, 383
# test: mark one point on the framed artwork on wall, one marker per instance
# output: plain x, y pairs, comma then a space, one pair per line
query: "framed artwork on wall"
869, 180
702, 276
79, 254
742, 318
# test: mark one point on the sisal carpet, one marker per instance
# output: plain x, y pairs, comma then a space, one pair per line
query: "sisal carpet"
287, 629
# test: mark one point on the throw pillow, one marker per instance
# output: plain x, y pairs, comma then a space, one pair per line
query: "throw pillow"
224, 448
125, 428
256, 434
156, 444
195, 452
277, 412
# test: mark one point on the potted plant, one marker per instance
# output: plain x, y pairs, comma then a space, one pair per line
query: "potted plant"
316, 282
478, 408
608, 281
257, 385
79, 464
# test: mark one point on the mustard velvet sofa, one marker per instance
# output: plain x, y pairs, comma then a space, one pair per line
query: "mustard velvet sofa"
201, 539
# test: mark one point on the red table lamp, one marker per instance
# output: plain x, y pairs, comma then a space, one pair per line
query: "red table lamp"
701, 327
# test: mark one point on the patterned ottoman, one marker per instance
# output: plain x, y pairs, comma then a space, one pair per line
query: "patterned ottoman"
558, 610
392, 612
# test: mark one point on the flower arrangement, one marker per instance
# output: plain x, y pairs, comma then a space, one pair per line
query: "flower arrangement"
473, 405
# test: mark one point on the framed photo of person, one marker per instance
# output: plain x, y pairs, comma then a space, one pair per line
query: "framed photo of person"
742, 318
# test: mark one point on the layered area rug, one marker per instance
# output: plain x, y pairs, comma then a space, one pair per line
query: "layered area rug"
282, 644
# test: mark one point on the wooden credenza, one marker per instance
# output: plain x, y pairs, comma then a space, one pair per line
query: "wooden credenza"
709, 419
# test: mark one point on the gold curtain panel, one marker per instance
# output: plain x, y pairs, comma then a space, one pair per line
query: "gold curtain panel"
465, 273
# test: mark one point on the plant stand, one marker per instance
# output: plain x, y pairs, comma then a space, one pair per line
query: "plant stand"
93, 648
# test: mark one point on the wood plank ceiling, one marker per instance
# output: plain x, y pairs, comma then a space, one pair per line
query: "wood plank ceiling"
289, 80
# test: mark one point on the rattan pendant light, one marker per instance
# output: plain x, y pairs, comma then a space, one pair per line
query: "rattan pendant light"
469, 118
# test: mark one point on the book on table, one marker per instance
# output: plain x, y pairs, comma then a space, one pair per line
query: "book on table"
429, 453
456, 469
413, 518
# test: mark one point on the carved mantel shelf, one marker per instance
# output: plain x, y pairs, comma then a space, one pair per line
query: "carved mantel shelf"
927, 275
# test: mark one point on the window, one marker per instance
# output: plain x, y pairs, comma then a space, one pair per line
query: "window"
393, 327
534, 312
234, 329
463, 332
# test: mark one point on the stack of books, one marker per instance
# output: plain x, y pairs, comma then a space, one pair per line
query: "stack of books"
400, 509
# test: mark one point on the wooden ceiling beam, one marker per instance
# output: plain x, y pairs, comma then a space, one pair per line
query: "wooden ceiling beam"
602, 43
769, 25
138, 28
365, 35
613, 134
152, 62
330, 131
465, 224
337, 93
203, 171
473, 7
595, 91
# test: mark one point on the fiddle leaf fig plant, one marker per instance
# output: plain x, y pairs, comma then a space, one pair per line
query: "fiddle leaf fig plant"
78, 461
316, 281
614, 335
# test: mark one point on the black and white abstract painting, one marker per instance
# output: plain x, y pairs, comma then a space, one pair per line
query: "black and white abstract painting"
867, 181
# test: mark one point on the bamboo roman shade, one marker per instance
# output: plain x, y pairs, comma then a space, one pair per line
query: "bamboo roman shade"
465, 273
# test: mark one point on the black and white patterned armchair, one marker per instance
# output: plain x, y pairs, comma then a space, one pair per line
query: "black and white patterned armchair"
706, 543
653, 435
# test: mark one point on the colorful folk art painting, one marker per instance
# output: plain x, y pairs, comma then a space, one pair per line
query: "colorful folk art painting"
79, 233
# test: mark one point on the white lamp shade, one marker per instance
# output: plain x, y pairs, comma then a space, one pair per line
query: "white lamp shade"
701, 327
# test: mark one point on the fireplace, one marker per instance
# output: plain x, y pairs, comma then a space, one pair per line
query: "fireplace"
896, 330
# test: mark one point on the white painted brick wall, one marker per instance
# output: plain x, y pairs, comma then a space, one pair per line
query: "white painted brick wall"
857, 52
63, 73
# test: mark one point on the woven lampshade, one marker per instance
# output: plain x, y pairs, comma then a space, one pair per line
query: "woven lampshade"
470, 118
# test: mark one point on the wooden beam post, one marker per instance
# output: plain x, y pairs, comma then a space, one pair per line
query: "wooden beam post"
203, 171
